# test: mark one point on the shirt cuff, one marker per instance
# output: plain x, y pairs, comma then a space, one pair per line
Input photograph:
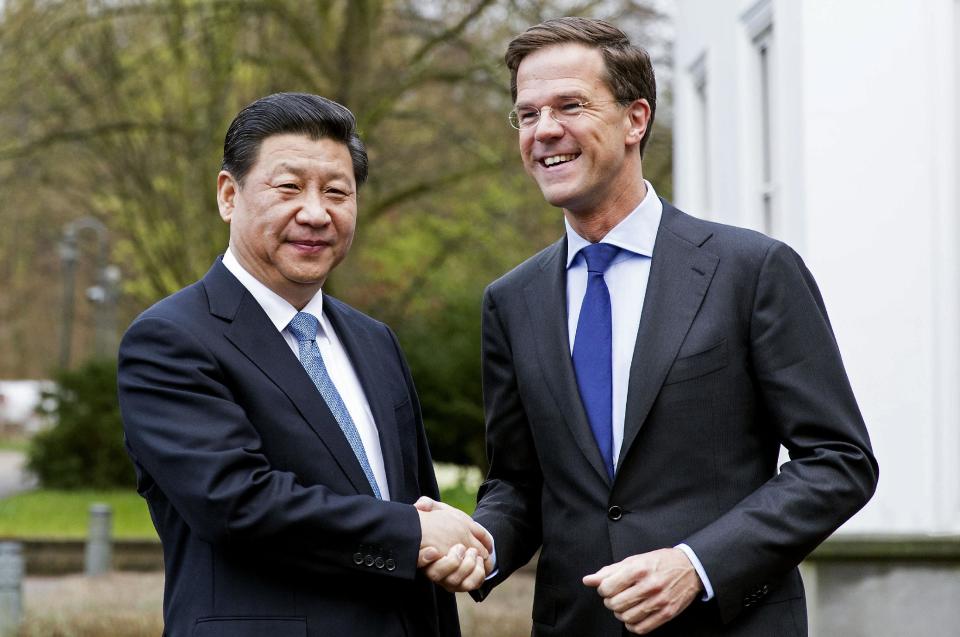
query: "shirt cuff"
707, 587
493, 555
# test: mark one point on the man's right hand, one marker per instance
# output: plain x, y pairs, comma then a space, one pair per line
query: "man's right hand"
454, 550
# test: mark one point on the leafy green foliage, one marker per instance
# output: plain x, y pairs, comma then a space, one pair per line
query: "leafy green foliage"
84, 447
444, 356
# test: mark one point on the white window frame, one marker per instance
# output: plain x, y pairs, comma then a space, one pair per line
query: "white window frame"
761, 125
700, 139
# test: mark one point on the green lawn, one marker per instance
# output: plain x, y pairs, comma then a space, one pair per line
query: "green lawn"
14, 444
461, 496
66, 514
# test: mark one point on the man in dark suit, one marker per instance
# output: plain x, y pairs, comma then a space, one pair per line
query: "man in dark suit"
275, 431
640, 376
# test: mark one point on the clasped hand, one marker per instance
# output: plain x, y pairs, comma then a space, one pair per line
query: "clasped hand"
455, 551
647, 590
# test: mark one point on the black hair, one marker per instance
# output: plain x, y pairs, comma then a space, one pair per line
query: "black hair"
297, 113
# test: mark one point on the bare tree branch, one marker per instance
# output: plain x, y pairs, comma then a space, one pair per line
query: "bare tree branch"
450, 33
86, 134
412, 191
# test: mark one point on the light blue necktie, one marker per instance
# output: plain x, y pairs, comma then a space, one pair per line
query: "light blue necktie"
304, 327
593, 350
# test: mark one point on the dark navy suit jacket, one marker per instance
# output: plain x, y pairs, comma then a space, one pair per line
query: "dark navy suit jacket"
268, 524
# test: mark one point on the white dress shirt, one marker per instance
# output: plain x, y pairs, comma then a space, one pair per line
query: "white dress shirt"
335, 358
626, 279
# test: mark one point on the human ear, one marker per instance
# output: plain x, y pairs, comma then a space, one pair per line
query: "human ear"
638, 113
227, 189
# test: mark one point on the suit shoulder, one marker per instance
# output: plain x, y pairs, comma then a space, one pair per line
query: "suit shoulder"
180, 322
179, 308
529, 269
734, 245
703, 231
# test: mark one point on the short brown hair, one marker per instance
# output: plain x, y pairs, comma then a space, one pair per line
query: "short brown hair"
629, 71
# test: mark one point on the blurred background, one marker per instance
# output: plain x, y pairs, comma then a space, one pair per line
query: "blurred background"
833, 126
111, 135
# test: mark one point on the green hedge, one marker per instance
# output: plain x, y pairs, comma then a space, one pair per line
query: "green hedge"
84, 447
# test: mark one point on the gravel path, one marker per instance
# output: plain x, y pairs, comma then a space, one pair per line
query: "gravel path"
129, 605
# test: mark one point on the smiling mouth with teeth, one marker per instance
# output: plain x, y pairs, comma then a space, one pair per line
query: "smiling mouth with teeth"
557, 159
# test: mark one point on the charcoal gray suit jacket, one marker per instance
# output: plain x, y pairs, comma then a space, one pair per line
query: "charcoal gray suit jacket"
734, 357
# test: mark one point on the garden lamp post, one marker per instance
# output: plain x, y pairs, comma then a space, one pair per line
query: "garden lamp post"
103, 294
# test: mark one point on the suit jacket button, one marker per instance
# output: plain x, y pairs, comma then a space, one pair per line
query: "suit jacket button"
614, 513
358, 558
368, 560
390, 564
378, 562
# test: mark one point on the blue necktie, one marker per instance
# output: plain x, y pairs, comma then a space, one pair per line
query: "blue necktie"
304, 327
593, 350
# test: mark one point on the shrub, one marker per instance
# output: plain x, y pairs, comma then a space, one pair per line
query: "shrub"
444, 355
84, 447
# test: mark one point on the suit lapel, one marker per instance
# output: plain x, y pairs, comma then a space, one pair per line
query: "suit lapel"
680, 273
546, 298
251, 331
363, 354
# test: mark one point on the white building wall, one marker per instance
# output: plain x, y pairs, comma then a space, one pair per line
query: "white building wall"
865, 157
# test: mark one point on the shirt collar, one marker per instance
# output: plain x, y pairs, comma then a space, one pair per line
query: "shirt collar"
278, 309
636, 233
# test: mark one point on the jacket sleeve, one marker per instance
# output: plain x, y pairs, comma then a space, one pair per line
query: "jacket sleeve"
509, 500
808, 404
193, 446
447, 616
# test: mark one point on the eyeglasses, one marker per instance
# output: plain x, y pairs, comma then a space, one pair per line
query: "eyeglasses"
563, 113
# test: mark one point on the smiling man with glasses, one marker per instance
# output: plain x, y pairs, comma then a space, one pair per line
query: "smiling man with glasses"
640, 375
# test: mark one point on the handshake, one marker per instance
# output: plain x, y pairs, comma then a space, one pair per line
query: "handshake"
455, 551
